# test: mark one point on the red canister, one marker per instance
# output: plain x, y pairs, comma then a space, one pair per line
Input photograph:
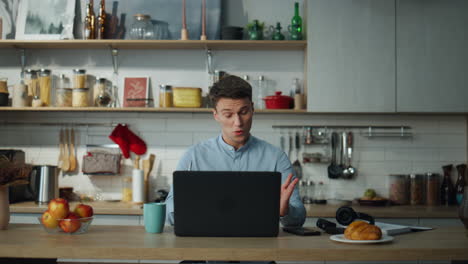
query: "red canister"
278, 101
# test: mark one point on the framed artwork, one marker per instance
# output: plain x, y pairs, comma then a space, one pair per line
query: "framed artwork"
136, 91
45, 19
8, 12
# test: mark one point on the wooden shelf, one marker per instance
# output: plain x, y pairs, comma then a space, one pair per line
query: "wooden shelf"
136, 109
156, 44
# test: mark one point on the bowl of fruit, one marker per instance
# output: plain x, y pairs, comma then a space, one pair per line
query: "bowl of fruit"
58, 219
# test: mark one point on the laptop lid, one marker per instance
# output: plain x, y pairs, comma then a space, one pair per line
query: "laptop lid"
226, 203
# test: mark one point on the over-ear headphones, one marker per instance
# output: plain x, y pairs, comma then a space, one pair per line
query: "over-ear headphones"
345, 215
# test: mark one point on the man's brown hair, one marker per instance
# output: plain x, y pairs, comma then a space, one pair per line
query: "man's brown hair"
232, 87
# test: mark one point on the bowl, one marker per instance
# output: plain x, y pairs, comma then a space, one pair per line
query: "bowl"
70, 226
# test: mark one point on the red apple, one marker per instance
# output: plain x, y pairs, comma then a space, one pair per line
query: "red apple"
59, 208
83, 210
48, 220
70, 224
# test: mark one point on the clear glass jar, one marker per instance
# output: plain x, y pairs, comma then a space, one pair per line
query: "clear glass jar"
142, 27
31, 80
80, 97
79, 78
417, 189
63, 97
399, 189
310, 192
45, 85
127, 189
303, 191
165, 96
432, 189
101, 97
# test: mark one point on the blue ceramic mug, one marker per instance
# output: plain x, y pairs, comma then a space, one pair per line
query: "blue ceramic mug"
154, 215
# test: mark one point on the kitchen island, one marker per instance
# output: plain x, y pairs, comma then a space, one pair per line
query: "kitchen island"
132, 242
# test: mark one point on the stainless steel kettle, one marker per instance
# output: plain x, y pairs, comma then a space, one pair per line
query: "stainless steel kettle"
44, 183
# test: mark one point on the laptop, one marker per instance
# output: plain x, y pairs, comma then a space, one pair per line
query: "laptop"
226, 203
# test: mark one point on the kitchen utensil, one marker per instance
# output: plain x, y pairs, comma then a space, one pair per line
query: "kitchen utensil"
349, 171
61, 150
72, 157
136, 163
342, 140
282, 143
297, 164
66, 153
291, 145
147, 168
334, 170
278, 101
44, 183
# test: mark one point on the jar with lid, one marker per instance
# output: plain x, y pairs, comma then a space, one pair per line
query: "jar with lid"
399, 189
432, 189
63, 92
310, 192
417, 189
165, 96
320, 198
31, 80
80, 97
79, 78
45, 84
142, 27
127, 189
101, 97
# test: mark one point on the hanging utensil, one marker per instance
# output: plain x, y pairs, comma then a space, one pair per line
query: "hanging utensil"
72, 159
147, 168
297, 164
282, 143
291, 145
342, 152
60, 157
350, 171
66, 153
334, 171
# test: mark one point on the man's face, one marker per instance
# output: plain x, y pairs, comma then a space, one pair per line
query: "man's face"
235, 118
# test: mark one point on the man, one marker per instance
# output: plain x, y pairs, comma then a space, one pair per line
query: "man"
237, 150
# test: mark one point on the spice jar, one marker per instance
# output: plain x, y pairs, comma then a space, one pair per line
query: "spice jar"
127, 189
417, 189
80, 97
79, 78
432, 189
165, 96
45, 86
399, 189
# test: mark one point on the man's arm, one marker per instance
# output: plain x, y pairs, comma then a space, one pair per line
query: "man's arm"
184, 164
294, 213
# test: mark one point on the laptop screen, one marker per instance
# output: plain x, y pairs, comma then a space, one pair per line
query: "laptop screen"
226, 203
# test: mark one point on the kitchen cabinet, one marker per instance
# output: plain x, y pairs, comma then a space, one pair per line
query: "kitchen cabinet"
432, 58
351, 56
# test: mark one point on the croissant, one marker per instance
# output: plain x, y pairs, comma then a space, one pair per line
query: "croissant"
360, 230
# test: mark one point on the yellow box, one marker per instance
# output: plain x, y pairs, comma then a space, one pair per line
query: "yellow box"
187, 97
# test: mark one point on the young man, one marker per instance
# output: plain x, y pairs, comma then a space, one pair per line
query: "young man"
237, 150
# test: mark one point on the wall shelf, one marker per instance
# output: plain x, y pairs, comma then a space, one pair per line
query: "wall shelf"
136, 109
156, 44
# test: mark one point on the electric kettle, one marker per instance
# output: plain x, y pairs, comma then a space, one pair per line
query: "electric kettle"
44, 183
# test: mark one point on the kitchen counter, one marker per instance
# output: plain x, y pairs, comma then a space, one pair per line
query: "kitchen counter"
132, 242
403, 211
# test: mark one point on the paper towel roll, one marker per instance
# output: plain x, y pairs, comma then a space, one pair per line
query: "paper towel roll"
138, 186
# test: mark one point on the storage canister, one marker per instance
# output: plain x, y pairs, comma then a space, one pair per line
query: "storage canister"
165, 96
399, 189
79, 78
432, 189
63, 97
80, 97
417, 189
45, 85
30, 79
186, 97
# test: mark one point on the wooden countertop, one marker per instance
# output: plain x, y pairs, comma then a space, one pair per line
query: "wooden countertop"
132, 242
403, 211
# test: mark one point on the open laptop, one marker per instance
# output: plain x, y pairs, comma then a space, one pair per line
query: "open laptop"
226, 203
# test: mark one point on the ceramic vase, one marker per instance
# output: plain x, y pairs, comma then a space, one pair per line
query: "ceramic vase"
4, 207
463, 209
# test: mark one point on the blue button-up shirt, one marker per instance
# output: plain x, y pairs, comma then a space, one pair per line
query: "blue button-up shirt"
256, 155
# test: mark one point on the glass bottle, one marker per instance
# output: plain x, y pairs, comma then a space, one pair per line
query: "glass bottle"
277, 35
101, 21
303, 190
320, 197
296, 24
142, 28
89, 24
447, 191
460, 185
261, 90
101, 96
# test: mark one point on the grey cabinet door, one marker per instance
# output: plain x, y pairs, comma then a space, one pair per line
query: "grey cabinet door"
432, 55
351, 56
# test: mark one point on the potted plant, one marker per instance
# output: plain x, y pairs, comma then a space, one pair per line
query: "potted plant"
11, 173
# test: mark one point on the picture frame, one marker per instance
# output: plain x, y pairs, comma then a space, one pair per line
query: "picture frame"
136, 91
45, 20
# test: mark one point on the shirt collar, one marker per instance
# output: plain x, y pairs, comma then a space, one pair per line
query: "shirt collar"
228, 147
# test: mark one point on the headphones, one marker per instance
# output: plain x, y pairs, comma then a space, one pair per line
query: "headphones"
345, 215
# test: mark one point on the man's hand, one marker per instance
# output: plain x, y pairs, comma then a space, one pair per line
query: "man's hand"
287, 189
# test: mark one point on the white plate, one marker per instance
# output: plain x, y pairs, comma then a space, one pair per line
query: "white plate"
341, 238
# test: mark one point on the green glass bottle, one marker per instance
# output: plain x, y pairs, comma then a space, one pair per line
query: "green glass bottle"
296, 24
